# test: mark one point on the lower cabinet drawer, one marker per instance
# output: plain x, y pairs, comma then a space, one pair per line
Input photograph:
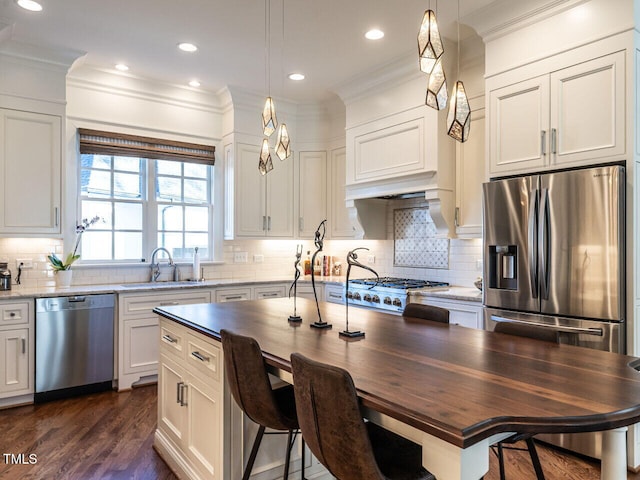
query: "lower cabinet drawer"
204, 357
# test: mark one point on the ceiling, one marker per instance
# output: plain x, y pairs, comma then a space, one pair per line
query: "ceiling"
323, 39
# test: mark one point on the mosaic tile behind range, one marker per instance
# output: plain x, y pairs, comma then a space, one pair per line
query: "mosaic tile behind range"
414, 243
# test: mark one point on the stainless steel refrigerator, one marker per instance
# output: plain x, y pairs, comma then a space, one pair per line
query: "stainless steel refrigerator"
554, 255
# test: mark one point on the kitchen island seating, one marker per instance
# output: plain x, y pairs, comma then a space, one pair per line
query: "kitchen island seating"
426, 312
332, 424
538, 333
269, 407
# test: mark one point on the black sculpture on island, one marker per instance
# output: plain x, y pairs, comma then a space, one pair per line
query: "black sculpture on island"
294, 286
319, 243
352, 260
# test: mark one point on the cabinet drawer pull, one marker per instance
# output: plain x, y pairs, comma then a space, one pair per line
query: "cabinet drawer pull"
12, 314
554, 141
233, 297
169, 338
264, 222
24, 345
543, 142
335, 295
301, 224
269, 223
183, 387
178, 392
166, 304
200, 357
57, 218
272, 294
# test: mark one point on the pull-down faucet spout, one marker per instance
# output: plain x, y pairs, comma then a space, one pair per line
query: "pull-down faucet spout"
155, 266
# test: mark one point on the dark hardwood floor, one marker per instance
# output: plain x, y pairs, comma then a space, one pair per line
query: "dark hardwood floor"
110, 436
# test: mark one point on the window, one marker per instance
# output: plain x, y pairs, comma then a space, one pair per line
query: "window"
144, 203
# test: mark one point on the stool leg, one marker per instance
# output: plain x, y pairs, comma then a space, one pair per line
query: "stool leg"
535, 460
254, 452
302, 465
501, 461
288, 456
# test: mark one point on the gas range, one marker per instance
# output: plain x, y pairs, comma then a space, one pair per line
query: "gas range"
389, 293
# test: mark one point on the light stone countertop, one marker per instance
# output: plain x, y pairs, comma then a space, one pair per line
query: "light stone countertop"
469, 294
18, 292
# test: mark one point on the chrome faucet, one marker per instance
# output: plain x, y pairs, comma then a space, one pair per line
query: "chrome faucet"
155, 266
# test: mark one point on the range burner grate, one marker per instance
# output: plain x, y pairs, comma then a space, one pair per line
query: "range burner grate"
402, 283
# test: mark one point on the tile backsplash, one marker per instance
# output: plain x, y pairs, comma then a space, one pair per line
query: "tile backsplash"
414, 242
268, 259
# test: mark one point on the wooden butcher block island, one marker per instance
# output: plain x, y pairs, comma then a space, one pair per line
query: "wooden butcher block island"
452, 389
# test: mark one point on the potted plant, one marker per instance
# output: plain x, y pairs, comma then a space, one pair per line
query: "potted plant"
62, 268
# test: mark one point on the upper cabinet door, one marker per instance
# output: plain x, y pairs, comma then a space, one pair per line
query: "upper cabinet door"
30, 166
280, 199
519, 116
313, 192
250, 194
339, 222
588, 110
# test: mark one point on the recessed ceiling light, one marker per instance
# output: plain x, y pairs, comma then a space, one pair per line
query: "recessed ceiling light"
296, 76
187, 47
122, 67
30, 5
374, 34
194, 83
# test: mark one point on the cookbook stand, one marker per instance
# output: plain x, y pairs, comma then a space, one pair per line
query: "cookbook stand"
352, 260
318, 242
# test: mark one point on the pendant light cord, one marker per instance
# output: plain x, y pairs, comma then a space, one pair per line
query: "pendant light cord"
267, 44
458, 24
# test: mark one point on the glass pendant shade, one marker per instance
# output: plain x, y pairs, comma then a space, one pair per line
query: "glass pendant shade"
269, 122
437, 94
459, 116
265, 164
430, 47
283, 148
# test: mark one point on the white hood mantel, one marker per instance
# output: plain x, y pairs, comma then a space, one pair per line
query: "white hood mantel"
395, 145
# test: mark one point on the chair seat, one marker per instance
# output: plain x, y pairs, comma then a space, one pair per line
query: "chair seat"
397, 457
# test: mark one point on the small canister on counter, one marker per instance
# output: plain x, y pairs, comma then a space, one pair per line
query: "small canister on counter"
5, 276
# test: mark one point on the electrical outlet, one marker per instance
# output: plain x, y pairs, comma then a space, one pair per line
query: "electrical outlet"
240, 257
479, 264
26, 263
371, 259
259, 258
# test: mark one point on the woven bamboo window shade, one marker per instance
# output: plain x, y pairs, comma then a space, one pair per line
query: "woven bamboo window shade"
109, 143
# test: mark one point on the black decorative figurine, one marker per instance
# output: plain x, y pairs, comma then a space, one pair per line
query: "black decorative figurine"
352, 259
318, 242
294, 286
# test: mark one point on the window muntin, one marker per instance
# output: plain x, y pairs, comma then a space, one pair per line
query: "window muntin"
178, 216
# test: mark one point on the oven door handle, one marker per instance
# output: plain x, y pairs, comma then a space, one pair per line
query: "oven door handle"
559, 328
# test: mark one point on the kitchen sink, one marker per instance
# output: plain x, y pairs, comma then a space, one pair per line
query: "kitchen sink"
160, 284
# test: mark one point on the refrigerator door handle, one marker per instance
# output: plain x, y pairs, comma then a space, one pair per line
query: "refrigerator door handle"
559, 328
544, 244
533, 243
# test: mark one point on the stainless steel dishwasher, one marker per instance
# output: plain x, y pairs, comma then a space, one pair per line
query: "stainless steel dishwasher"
74, 345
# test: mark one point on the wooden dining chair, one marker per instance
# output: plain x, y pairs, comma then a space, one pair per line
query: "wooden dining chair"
426, 312
269, 407
333, 427
538, 333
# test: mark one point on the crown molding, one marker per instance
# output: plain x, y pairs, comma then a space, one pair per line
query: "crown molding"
504, 16
58, 58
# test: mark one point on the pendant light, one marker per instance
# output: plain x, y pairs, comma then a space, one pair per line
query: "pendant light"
269, 122
265, 165
430, 47
459, 116
283, 149
437, 94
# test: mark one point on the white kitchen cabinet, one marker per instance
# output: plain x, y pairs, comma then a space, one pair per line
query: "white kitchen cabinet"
16, 352
305, 290
334, 293
30, 172
339, 224
263, 203
138, 331
567, 117
470, 174
461, 312
235, 294
269, 291
190, 404
312, 193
